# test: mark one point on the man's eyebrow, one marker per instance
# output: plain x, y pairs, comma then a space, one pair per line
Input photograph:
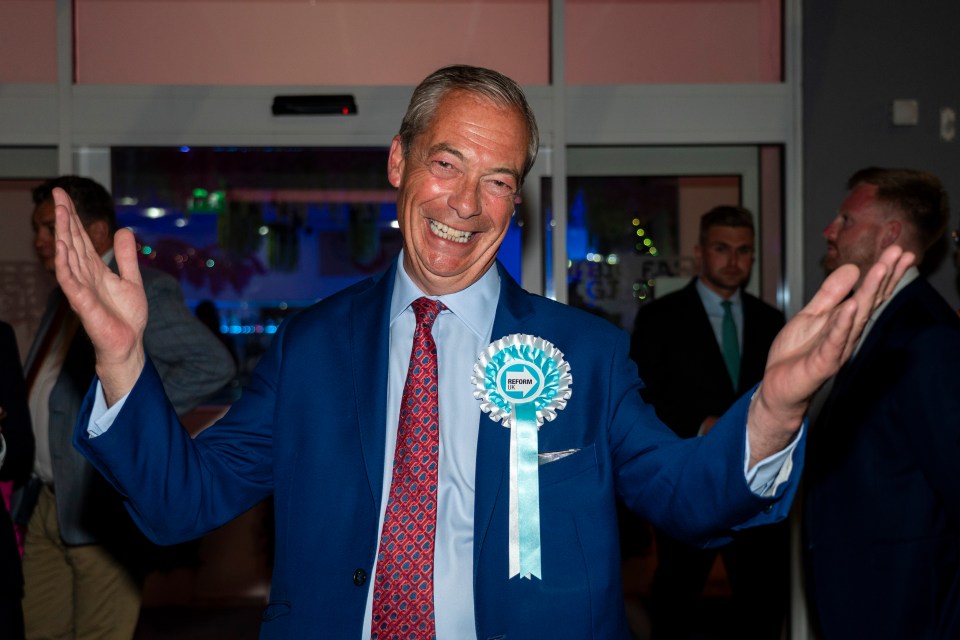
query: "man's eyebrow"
446, 148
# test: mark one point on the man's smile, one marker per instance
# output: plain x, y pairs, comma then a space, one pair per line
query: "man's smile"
449, 233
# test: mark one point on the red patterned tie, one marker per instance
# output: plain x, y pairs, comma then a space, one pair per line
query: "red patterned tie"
403, 591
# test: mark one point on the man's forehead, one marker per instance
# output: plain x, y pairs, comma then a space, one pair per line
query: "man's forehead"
862, 201
724, 234
474, 118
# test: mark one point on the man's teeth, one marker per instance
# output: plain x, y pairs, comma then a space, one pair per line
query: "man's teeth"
448, 233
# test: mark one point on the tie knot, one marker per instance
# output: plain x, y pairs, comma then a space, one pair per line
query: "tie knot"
726, 304
427, 310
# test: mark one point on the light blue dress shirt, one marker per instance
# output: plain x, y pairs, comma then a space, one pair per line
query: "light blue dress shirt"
461, 333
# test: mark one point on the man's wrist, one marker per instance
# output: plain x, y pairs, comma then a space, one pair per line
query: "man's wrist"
770, 430
118, 378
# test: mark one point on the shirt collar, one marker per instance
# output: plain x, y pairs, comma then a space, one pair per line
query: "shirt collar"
713, 299
909, 276
475, 306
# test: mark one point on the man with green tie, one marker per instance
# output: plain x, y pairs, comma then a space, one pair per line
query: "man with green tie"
698, 350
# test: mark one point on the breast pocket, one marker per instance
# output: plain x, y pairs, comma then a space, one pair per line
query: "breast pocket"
557, 466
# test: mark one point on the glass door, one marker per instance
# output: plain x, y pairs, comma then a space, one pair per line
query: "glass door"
633, 220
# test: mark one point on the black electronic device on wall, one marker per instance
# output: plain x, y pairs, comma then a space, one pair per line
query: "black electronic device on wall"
314, 105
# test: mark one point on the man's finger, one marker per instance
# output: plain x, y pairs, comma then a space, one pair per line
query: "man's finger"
834, 289
838, 343
904, 262
125, 250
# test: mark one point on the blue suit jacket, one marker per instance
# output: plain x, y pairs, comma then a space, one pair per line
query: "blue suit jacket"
882, 490
309, 431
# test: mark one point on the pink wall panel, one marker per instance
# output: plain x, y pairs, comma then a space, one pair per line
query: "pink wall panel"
393, 41
28, 41
673, 41
301, 42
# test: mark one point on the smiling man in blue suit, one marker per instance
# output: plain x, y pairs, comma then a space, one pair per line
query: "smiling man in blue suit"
317, 428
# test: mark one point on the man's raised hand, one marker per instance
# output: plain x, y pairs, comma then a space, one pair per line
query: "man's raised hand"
814, 345
112, 307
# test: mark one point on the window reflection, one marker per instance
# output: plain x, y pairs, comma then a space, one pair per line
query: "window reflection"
630, 239
262, 232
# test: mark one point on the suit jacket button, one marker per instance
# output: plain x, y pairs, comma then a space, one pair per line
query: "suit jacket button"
359, 577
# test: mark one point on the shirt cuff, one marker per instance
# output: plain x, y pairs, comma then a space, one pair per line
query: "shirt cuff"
102, 416
771, 472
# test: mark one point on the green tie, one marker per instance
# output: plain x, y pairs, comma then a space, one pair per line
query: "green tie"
731, 345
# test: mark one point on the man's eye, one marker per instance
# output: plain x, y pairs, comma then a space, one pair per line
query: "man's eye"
442, 166
501, 188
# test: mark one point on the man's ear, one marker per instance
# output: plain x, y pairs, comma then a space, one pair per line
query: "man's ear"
395, 163
892, 229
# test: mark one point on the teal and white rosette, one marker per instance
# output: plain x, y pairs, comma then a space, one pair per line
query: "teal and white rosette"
522, 381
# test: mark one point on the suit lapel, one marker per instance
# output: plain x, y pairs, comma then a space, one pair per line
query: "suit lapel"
370, 340
514, 313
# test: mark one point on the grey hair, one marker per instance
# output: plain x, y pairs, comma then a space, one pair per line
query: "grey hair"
490, 84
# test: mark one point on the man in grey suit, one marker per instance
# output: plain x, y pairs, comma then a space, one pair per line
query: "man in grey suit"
81, 574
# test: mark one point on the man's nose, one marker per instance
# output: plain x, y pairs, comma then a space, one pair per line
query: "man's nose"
465, 199
830, 231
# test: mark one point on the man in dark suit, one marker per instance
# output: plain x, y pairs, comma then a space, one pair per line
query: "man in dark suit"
16, 461
515, 527
687, 346
882, 497
81, 562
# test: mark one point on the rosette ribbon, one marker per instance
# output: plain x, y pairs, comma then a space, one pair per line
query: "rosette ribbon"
522, 381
